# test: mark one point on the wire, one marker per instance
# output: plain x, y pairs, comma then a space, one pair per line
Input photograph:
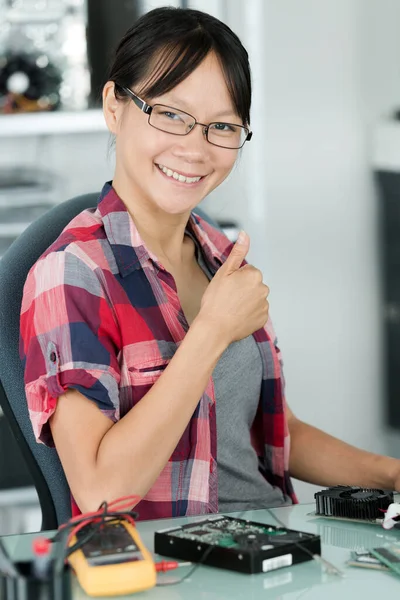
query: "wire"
203, 558
95, 526
107, 513
96, 520
82, 541
317, 557
103, 510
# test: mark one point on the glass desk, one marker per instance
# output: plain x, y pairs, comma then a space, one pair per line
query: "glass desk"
307, 581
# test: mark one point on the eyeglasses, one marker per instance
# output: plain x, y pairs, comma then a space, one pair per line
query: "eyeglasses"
175, 121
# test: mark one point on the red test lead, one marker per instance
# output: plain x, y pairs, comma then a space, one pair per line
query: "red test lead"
170, 565
41, 547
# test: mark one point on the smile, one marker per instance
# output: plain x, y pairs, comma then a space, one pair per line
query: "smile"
178, 176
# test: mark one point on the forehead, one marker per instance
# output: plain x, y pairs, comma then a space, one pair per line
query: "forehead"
204, 91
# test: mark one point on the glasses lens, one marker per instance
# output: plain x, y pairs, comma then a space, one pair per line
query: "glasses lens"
227, 135
171, 120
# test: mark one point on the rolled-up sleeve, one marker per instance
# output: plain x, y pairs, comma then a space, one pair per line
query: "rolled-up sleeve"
69, 338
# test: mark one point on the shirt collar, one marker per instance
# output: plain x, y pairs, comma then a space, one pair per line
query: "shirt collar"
128, 247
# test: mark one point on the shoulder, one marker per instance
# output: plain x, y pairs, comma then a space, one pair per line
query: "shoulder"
87, 227
83, 242
77, 258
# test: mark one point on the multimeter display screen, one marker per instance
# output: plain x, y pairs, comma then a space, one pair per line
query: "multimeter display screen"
110, 544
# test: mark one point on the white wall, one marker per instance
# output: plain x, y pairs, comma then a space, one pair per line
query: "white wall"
380, 43
327, 71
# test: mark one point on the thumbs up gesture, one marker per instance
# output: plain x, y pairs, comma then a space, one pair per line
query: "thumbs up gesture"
236, 298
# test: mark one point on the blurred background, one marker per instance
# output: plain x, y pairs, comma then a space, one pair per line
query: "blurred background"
317, 189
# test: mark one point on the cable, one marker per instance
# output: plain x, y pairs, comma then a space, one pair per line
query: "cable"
95, 526
204, 557
317, 557
96, 520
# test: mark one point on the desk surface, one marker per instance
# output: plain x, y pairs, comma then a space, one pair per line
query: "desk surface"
307, 580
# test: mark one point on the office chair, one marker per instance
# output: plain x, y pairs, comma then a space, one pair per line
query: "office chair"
43, 462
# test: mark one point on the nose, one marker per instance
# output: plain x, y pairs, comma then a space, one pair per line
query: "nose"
193, 147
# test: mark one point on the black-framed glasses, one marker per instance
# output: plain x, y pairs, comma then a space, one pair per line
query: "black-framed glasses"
176, 121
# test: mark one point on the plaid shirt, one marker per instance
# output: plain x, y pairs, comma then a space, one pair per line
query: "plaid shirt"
100, 315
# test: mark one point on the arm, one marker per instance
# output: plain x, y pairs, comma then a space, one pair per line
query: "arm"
104, 461
319, 458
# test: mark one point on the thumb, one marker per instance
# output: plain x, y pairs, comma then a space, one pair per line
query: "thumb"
238, 253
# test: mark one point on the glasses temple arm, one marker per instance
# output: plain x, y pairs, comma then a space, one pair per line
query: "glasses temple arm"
138, 101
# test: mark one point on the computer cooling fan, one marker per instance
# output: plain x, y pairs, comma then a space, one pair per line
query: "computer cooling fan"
353, 502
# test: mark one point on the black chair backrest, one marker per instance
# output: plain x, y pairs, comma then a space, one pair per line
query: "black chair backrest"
43, 463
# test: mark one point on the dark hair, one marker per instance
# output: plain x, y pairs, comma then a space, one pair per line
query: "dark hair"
166, 45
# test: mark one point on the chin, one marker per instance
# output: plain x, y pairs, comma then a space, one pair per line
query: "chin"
176, 208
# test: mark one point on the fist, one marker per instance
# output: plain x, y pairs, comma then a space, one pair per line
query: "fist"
236, 299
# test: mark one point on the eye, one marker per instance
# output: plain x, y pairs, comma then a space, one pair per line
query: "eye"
224, 127
171, 115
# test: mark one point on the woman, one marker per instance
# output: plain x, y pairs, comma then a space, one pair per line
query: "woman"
150, 361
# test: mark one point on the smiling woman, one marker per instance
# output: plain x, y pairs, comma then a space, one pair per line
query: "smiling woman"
149, 328
150, 360
205, 153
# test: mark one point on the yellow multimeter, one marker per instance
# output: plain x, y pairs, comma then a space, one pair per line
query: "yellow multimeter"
113, 561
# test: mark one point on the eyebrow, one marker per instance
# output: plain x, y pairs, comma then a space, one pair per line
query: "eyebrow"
177, 103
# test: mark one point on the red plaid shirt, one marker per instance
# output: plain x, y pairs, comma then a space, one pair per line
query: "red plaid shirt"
100, 315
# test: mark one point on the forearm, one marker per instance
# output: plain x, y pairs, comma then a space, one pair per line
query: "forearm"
319, 458
144, 439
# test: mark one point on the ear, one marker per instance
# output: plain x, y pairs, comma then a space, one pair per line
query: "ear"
112, 108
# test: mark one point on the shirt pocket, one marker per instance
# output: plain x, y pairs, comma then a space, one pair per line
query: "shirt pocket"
148, 372
146, 363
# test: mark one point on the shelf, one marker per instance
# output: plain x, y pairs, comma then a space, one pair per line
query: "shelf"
52, 123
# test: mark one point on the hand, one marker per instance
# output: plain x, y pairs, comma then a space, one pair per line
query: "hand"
236, 299
389, 471
396, 484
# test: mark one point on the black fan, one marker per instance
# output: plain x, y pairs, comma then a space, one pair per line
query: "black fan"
28, 82
353, 502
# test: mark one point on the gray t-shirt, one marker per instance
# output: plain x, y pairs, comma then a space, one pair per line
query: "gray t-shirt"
237, 381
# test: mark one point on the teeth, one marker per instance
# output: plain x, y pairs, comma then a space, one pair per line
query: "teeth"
178, 176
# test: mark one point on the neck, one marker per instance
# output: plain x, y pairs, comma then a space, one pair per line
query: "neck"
162, 233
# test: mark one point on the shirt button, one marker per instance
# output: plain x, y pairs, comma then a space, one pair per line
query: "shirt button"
53, 357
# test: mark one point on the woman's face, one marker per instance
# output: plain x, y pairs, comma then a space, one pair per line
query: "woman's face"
141, 149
